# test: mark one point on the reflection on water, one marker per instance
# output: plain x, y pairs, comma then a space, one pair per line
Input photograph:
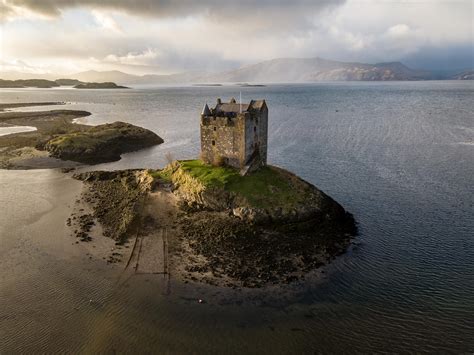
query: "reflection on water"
393, 154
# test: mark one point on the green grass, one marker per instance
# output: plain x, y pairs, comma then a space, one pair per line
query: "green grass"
89, 138
263, 188
208, 175
164, 174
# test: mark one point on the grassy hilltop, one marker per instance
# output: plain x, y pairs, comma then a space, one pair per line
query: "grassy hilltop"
268, 187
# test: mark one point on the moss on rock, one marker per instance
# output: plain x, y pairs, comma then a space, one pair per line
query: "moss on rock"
102, 143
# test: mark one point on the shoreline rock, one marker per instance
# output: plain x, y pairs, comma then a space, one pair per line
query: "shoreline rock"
102, 143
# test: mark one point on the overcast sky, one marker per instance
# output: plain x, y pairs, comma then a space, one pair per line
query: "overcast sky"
166, 36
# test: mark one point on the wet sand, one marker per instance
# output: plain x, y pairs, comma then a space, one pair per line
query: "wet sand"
15, 129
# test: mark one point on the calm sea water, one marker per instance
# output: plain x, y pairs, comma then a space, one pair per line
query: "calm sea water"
399, 156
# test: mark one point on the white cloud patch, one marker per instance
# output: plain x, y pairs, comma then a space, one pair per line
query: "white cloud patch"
400, 30
147, 58
106, 21
22, 66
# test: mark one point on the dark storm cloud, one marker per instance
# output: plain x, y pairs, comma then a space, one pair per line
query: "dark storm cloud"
447, 58
171, 8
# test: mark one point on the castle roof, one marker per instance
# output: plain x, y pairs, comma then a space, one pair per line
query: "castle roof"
206, 111
233, 107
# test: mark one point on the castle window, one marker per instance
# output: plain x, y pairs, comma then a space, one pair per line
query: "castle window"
256, 120
215, 128
255, 129
213, 142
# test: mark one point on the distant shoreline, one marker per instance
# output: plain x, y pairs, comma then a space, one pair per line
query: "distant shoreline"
49, 84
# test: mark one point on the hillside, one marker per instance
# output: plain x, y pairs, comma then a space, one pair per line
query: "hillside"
275, 70
466, 75
317, 69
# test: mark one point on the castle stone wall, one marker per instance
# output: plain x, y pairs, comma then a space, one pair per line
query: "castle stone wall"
263, 135
222, 139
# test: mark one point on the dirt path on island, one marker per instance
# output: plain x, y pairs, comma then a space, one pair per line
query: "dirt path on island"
150, 253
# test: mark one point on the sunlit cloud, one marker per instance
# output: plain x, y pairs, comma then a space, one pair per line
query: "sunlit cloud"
106, 21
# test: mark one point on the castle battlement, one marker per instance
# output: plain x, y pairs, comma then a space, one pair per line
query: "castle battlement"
235, 134
224, 120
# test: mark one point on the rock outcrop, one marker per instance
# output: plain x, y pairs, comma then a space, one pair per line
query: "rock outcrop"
102, 143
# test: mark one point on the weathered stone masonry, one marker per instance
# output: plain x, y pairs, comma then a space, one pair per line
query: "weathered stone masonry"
235, 134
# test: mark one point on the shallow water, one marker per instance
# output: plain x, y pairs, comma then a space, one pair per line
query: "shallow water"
399, 156
15, 129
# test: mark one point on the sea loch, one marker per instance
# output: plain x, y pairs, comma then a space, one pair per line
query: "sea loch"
398, 155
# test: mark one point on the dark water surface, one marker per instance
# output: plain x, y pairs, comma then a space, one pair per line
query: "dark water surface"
399, 156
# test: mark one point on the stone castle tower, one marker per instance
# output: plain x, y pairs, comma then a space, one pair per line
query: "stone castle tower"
235, 134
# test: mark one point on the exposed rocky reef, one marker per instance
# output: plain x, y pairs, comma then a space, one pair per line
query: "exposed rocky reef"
116, 198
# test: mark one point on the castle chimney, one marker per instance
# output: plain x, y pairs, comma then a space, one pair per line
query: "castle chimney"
219, 101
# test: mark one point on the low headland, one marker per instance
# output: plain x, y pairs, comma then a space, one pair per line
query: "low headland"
48, 84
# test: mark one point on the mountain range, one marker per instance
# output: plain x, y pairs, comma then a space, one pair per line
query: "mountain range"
282, 70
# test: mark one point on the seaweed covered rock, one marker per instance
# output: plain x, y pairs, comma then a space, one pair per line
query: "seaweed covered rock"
116, 198
102, 143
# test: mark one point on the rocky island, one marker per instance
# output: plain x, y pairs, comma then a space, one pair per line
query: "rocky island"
56, 135
218, 227
107, 85
227, 219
